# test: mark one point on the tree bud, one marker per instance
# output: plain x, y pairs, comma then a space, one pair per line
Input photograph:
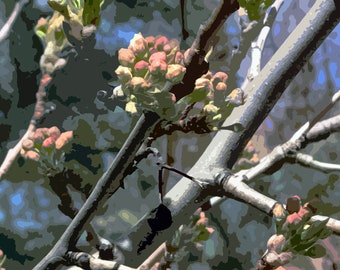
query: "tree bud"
141, 67
175, 73
138, 44
124, 74
126, 57
160, 42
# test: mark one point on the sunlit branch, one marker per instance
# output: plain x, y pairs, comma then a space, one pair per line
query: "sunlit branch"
258, 45
310, 162
7, 27
86, 261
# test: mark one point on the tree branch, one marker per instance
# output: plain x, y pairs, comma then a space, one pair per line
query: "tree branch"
258, 45
110, 181
88, 262
7, 27
310, 162
39, 112
224, 149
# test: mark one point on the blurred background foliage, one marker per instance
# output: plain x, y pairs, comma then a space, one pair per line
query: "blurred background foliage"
30, 221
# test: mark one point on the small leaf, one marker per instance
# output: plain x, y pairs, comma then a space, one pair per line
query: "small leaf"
315, 229
316, 251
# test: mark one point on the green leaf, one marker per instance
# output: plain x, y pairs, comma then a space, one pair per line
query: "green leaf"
315, 229
316, 251
203, 234
91, 12
77, 3
195, 96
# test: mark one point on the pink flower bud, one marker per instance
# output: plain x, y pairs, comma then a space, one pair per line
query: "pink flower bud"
221, 86
48, 143
126, 57
32, 155
141, 67
138, 44
179, 58
293, 219
53, 132
160, 56
175, 73
63, 139
167, 48
160, 41
219, 77
27, 144
158, 66
150, 40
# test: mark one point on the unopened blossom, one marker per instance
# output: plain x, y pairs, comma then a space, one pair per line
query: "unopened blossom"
202, 83
141, 67
139, 84
219, 77
158, 66
179, 57
27, 144
138, 44
175, 73
160, 42
157, 56
123, 73
150, 40
63, 139
126, 57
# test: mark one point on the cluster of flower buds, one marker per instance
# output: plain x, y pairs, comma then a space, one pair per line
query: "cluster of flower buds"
45, 146
219, 101
146, 68
295, 234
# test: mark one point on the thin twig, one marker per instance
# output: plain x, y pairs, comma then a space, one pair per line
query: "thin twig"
258, 45
310, 162
7, 27
39, 112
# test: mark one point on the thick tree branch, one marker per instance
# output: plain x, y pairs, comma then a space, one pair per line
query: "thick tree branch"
111, 180
226, 146
194, 58
7, 27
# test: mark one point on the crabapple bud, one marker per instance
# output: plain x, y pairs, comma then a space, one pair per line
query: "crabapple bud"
126, 57
160, 56
124, 74
202, 83
139, 84
138, 45
158, 66
141, 67
150, 40
160, 42
219, 77
53, 132
175, 73
27, 144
